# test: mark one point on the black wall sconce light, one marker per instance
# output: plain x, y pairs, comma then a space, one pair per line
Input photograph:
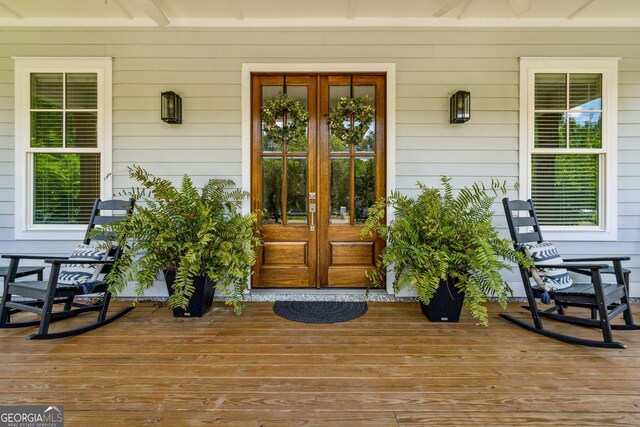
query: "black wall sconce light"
171, 107
460, 107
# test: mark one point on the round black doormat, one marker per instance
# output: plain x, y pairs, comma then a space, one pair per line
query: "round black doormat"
319, 311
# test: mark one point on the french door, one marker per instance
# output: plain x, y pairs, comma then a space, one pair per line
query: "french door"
315, 191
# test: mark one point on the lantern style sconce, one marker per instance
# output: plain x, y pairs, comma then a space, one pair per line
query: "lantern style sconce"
460, 108
171, 107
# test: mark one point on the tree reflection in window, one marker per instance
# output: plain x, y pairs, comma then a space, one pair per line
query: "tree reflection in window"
272, 190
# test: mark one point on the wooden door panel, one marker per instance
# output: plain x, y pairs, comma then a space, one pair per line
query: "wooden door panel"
349, 257
283, 276
351, 253
332, 253
285, 253
348, 277
349, 262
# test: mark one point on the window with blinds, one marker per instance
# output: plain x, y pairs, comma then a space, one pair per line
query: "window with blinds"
64, 151
568, 154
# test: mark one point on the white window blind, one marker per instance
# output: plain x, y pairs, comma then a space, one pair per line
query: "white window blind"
565, 188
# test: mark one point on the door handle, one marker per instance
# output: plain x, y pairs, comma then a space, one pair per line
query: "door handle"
312, 211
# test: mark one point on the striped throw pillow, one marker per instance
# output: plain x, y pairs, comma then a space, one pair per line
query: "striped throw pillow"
82, 274
551, 279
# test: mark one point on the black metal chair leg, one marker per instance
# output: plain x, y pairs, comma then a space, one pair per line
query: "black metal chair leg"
105, 306
561, 337
5, 312
49, 298
82, 329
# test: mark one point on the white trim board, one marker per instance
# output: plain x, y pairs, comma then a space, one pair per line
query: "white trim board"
356, 22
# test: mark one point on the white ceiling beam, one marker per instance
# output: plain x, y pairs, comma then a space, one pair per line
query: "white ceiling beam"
351, 11
520, 6
153, 10
448, 6
464, 9
122, 8
580, 9
236, 9
11, 11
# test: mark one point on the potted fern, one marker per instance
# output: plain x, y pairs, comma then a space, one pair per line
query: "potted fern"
445, 247
199, 239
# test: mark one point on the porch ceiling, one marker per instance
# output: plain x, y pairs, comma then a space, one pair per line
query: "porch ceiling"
297, 13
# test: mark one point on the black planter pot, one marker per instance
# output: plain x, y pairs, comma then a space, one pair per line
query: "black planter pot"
201, 300
446, 304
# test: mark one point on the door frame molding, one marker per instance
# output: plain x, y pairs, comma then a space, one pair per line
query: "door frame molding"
388, 68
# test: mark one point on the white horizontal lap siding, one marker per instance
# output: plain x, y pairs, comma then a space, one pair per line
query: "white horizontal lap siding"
204, 66
629, 165
205, 145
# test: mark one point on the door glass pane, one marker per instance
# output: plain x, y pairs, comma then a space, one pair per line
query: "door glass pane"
340, 191
65, 187
272, 190
551, 91
297, 190
335, 93
364, 188
269, 145
368, 144
46, 91
299, 93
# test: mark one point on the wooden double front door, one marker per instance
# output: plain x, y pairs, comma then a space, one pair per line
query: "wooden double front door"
315, 191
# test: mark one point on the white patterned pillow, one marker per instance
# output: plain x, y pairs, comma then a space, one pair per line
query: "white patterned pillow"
79, 274
551, 279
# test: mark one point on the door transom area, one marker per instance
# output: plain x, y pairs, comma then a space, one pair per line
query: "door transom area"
313, 188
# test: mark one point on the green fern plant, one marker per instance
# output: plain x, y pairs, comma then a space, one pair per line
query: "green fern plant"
196, 233
440, 235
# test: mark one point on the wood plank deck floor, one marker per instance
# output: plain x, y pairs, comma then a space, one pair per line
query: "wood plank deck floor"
390, 367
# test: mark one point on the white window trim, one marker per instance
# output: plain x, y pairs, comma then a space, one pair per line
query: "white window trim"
608, 67
24, 66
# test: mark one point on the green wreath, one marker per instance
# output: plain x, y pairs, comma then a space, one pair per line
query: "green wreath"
296, 115
362, 114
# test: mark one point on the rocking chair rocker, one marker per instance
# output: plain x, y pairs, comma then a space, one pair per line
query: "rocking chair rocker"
550, 274
69, 277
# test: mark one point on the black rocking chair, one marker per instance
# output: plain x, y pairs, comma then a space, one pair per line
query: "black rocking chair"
40, 296
605, 300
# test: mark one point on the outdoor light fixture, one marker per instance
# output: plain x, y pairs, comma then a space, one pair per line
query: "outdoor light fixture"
460, 108
171, 107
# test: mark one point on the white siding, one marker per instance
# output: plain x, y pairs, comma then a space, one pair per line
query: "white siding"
204, 67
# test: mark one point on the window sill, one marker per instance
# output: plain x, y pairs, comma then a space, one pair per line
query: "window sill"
75, 233
579, 235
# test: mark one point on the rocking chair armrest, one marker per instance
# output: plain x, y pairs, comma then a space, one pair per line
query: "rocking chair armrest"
572, 265
608, 258
77, 261
40, 257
